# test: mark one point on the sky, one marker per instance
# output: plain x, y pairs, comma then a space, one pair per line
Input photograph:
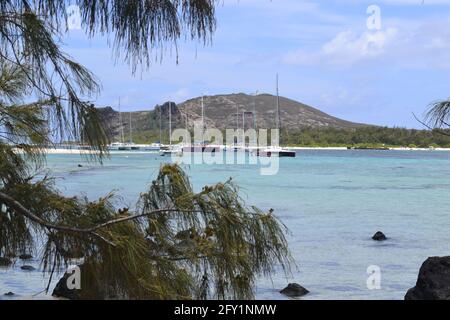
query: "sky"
330, 54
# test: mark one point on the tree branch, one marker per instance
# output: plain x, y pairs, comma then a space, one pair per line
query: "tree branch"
19, 208
431, 128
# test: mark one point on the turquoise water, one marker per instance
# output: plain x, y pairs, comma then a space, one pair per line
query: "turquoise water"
332, 202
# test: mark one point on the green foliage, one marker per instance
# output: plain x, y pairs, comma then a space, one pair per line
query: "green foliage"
32, 62
177, 244
373, 137
216, 236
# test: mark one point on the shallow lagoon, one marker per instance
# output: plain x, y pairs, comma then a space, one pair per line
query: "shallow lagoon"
332, 202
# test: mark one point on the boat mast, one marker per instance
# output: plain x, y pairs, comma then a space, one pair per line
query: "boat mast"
237, 125
278, 112
237, 116
160, 124
243, 128
131, 130
203, 120
254, 110
188, 134
278, 106
170, 123
121, 124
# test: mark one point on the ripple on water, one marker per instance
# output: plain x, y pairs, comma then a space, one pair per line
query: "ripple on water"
343, 288
330, 264
394, 267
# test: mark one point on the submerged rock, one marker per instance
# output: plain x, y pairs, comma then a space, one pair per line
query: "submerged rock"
61, 290
294, 290
28, 268
95, 290
9, 294
379, 236
25, 257
433, 282
4, 262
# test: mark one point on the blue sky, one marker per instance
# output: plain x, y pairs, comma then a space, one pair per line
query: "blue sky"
323, 51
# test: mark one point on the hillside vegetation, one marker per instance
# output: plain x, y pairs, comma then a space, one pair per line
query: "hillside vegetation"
301, 125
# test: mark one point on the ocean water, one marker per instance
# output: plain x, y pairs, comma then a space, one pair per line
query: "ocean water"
331, 201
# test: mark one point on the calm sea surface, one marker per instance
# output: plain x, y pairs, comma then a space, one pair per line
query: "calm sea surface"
332, 202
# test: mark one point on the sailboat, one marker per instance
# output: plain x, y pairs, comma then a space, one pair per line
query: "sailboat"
276, 151
119, 146
202, 147
171, 150
130, 145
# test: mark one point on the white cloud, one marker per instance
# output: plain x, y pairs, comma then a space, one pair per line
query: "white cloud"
407, 44
354, 72
346, 48
181, 95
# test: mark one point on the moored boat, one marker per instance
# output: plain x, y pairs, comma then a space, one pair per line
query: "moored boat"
171, 151
275, 152
201, 148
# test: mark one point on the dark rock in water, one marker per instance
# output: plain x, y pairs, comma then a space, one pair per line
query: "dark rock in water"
95, 290
294, 290
61, 290
433, 282
379, 236
4, 262
28, 268
25, 257
9, 294
80, 166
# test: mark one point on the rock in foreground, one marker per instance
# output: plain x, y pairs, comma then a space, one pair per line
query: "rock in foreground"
433, 282
379, 236
61, 290
28, 268
294, 290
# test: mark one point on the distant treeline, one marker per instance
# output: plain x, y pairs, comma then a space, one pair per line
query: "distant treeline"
366, 136
333, 137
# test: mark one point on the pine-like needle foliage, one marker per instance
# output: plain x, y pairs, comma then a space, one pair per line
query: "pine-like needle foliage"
438, 116
31, 33
212, 234
176, 245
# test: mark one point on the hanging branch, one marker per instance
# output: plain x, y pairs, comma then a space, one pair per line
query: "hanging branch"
440, 131
20, 209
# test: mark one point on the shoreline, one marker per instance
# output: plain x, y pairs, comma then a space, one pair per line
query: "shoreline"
114, 152
368, 149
